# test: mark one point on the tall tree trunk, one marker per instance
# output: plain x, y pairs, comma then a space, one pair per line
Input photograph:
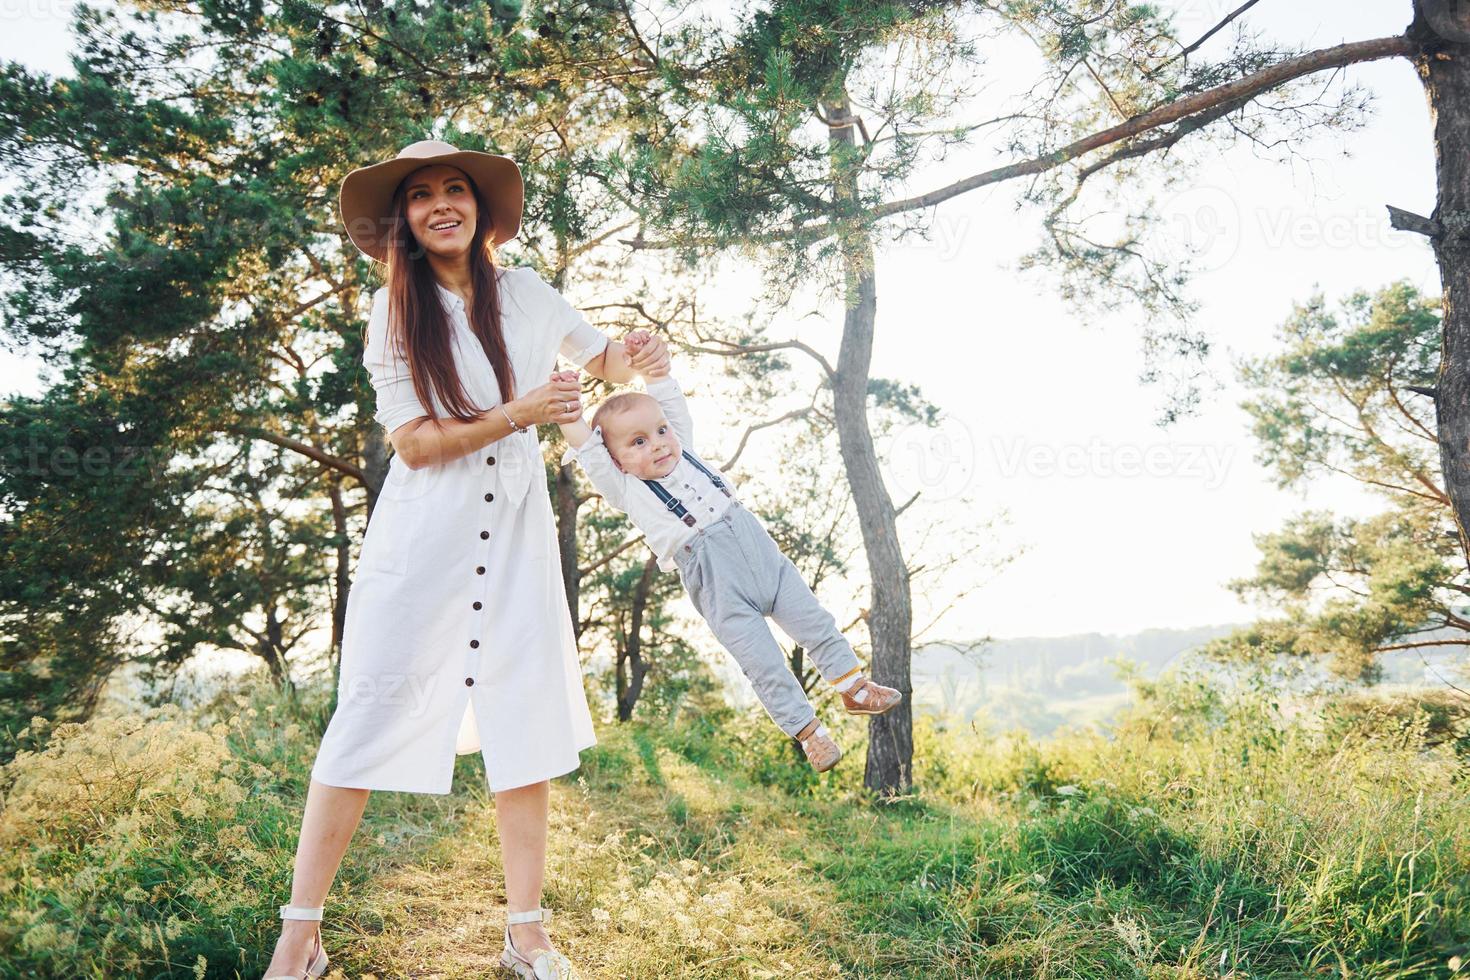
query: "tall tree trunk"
890, 618
1443, 64
566, 485
270, 646
375, 446
630, 681
566, 541
796, 660
375, 461
343, 578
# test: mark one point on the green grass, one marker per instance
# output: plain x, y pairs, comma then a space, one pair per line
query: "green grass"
1203, 840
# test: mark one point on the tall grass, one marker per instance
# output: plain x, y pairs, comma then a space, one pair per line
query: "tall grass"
1206, 837
1214, 834
160, 844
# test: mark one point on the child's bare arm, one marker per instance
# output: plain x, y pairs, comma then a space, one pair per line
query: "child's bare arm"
596, 462
577, 431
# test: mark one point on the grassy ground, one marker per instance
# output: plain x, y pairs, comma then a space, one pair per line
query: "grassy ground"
1213, 848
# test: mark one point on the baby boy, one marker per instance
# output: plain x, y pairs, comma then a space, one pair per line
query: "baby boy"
639, 454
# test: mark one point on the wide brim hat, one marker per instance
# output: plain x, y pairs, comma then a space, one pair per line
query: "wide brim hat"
366, 198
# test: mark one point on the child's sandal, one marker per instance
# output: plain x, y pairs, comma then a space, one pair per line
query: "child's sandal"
867, 697
820, 750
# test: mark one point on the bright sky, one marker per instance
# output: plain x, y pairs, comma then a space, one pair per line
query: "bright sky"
1123, 525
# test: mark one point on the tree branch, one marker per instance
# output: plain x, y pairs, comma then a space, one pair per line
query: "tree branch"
736, 350
609, 556
1238, 91
1397, 46
1417, 223
1206, 36
795, 413
308, 450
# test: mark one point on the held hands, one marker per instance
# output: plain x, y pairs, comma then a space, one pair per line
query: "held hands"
563, 377
558, 401
646, 354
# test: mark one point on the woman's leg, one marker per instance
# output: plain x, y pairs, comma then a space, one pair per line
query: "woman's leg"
520, 816
328, 823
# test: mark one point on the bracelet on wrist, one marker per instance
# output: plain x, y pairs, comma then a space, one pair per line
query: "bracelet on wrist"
515, 427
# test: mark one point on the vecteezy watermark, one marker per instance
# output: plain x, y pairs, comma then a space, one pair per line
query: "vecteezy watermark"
397, 690
124, 461
940, 462
936, 461
944, 236
1193, 17
1207, 220
1359, 229
1015, 456
1211, 224
36, 11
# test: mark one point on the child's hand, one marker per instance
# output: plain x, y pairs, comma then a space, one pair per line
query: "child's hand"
646, 354
573, 376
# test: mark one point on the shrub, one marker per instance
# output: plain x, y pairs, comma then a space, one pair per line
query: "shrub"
140, 844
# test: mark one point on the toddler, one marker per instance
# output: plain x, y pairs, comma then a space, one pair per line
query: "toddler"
638, 452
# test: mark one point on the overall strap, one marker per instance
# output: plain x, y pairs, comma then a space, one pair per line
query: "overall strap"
707, 472
670, 501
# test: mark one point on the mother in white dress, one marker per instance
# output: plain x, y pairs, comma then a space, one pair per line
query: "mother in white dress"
457, 635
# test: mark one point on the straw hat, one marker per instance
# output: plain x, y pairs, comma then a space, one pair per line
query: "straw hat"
367, 192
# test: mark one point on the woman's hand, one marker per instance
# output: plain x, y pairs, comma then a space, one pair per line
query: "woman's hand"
557, 402
646, 353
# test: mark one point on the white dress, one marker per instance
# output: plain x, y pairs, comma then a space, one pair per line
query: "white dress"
457, 633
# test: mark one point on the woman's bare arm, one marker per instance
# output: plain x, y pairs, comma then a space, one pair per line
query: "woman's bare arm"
423, 443
433, 442
613, 363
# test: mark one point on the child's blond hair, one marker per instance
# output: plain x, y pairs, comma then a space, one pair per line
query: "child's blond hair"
615, 405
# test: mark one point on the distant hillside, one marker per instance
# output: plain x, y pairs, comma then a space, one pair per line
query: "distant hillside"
1040, 683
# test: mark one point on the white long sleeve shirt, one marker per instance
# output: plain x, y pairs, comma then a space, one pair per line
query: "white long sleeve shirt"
702, 499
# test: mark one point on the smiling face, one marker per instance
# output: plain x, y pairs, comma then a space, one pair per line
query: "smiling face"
641, 441
441, 209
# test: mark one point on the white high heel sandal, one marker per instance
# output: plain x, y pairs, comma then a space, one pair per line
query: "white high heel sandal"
318, 965
548, 964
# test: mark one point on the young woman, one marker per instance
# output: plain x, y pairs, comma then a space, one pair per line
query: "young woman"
457, 633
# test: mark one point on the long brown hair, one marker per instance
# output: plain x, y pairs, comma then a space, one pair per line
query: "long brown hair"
422, 323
